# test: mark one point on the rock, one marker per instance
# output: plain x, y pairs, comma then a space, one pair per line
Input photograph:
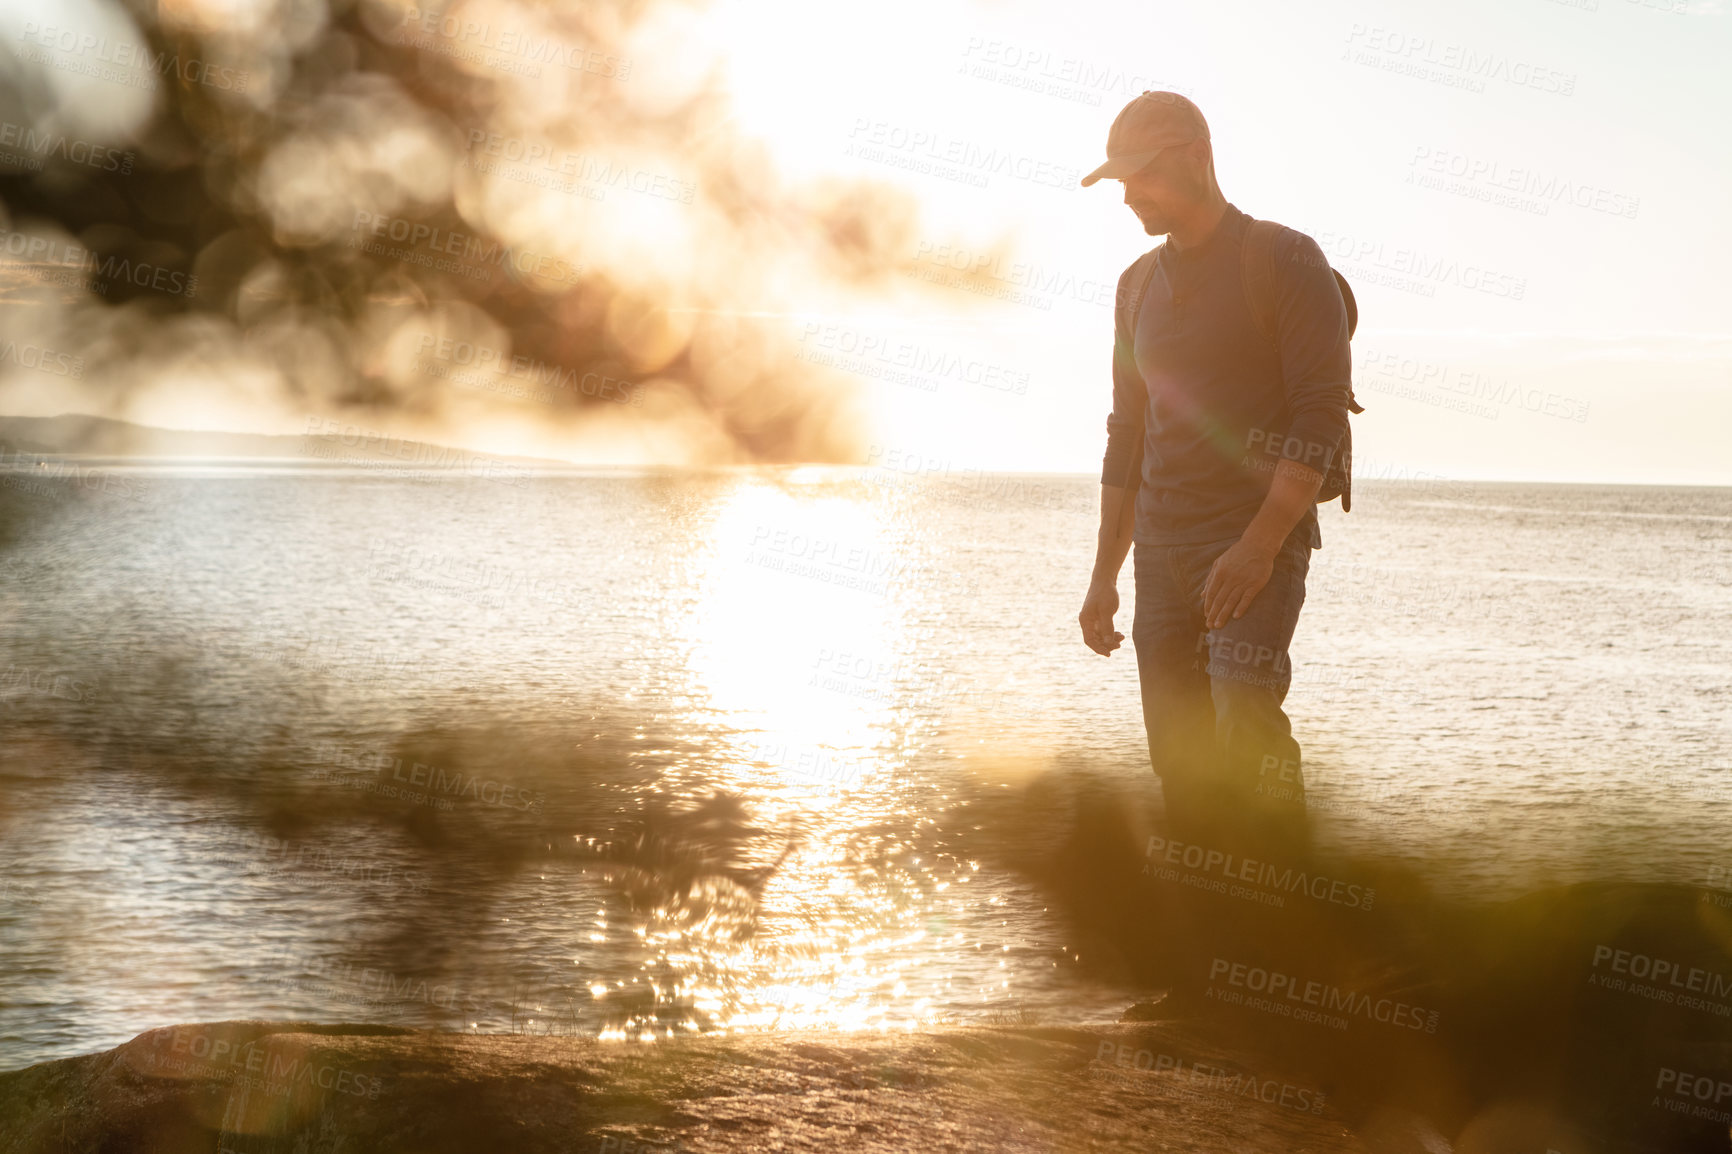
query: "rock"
269, 1087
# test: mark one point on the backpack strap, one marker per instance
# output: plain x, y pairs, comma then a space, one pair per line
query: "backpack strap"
1130, 300
1133, 287
1258, 259
1257, 262
1258, 269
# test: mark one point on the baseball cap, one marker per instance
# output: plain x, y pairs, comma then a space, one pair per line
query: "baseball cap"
1152, 122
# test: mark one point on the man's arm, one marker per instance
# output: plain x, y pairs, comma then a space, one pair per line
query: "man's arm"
1240, 573
1112, 543
1317, 369
1121, 476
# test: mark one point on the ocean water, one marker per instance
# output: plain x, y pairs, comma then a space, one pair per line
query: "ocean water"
633, 754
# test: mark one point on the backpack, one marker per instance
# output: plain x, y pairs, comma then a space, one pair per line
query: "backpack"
1257, 267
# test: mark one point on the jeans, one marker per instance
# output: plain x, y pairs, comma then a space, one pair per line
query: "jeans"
1218, 738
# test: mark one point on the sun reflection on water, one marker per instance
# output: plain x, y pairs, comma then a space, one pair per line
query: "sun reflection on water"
794, 580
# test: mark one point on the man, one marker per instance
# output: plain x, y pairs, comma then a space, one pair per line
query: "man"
1215, 448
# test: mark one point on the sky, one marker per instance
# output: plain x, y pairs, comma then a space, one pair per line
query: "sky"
1528, 198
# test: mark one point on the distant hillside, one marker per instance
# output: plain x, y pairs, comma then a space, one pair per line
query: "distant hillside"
106, 437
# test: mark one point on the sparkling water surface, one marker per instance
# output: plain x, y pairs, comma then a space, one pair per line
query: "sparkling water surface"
641, 754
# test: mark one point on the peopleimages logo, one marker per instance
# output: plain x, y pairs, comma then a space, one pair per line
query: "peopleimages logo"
545, 165
829, 552
1040, 71
517, 46
437, 355
38, 146
189, 1050
366, 985
126, 63
1201, 1076
30, 356
1019, 282
881, 140
45, 682
31, 473
903, 362
1384, 370
471, 252
1456, 64
1662, 980
1424, 272
1232, 868
810, 763
433, 780
1698, 1095
327, 438
1545, 189
1286, 994
44, 255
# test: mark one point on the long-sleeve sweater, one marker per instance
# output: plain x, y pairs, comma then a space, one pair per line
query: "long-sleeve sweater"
1213, 403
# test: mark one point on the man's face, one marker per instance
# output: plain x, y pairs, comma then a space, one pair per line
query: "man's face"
1167, 187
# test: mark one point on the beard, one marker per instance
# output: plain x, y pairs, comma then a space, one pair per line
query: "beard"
1153, 220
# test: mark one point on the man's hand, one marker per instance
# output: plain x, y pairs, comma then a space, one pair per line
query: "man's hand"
1235, 579
1096, 619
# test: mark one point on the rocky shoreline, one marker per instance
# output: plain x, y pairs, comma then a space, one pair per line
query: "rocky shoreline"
266, 1087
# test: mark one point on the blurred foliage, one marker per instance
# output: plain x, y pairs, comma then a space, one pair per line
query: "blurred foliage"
451, 214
